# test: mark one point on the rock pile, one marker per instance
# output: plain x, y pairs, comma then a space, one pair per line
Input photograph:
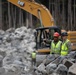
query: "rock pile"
57, 65
16, 46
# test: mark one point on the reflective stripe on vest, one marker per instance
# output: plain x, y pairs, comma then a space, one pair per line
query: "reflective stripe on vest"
33, 55
55, 48
64, 48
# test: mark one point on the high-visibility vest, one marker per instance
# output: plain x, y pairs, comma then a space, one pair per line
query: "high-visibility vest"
33, 55
55, 48
64, 48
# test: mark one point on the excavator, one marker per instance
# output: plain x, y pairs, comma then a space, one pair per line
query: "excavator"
47, 24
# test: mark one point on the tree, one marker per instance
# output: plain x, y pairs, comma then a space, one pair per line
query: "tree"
1, 23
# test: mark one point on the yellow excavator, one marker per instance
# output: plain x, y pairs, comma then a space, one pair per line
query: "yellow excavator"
47, 24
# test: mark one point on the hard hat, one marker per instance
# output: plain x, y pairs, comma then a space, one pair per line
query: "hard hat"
56, 34
64, 34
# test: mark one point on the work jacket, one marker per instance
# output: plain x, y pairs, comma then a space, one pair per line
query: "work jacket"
65, 48
55, 48
33, 55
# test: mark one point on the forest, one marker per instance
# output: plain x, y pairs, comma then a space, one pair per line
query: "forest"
63, 12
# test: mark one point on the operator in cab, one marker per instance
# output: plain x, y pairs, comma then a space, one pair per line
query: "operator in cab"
66, 44
56, 44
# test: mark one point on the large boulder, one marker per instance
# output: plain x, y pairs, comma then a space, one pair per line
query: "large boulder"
61, 69
40, 58
51, 58
72, 70
50, 68
67, 63
41, 67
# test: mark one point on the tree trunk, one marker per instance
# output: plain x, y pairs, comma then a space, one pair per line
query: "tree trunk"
63, 14
56, 12
30, 21
69, 15
22, 19
74, 15
1, 24
27, 22
20, 22
14, 16
9, 16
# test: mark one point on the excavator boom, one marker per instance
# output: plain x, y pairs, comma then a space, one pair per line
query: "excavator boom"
38, 10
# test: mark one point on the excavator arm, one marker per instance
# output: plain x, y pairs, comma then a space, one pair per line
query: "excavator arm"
36, 9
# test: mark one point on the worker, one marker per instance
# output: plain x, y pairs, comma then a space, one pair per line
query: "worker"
66, 44
56, 44
33, 57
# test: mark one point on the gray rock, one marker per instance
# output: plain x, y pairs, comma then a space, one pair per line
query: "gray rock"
72, 54
72, 70
50, 68
2, 32
1, 58
49, 59
38, 73
68, 63
54, 74
40, 58
18, 46
40, 70
15, 43
10, 30
2, 52
17, 72
2, 70
61, 69
41, 67
73, 60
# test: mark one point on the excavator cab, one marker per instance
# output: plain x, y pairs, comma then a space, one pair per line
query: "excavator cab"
45, 33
